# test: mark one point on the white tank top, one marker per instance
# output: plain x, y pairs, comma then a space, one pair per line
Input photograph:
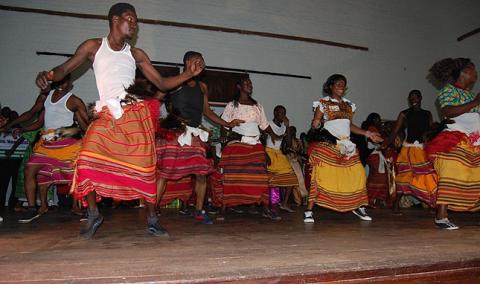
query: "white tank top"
57, 114
279, 130
114, 71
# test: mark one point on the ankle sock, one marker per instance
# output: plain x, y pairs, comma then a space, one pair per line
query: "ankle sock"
93, 213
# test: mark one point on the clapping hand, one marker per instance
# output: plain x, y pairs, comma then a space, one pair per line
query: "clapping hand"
235, 122
195, 67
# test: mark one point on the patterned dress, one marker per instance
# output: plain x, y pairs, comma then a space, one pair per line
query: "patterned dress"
456, 154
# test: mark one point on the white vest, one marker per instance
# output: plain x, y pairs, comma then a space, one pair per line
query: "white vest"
114, 71
57, 114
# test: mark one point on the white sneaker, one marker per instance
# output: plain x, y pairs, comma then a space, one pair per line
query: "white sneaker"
445, 224
362, 214
308, 217
1, 219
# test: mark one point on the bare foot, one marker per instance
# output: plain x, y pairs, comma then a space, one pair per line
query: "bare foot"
397, 213
77, 211
42, 210
286, 208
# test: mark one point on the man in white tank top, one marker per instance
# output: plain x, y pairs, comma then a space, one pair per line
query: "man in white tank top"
114, 62
55, 109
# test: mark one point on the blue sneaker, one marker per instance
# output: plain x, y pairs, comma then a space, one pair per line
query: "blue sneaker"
202, 217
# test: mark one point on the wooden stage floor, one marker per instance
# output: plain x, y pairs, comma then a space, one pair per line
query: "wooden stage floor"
338, 248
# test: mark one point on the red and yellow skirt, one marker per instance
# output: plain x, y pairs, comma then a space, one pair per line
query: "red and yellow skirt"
57, 159
416, 175
458, 169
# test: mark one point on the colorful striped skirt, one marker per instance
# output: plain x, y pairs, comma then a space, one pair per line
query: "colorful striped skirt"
458, 173
118, 156
280, 170
337, 183
215, 188
377, 182
175, 162
56, 159
245, 176
180, 189
415, 175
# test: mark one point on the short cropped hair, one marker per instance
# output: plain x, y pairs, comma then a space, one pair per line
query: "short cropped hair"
190, 54
118, 9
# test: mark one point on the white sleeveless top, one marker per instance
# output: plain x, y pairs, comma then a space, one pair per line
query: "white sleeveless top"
114, 71
57, 114
279, 130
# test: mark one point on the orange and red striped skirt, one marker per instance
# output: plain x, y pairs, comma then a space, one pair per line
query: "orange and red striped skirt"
118, 156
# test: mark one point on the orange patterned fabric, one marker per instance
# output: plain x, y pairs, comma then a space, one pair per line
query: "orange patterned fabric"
118, 156
337, 110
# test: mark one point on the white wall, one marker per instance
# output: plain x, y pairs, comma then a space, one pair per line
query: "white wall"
404, 37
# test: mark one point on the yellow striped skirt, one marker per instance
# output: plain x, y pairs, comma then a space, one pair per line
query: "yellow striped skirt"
459, 177
280, 169
337, 183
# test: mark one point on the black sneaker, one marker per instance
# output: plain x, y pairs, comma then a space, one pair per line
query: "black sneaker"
28, 216
91, 227
308, 217
270, 214
362, 214
213, 211
157, 231
236, 210
445, 224
253, 210
84, 218
184, 212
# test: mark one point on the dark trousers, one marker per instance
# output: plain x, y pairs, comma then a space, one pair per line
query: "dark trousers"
8, 170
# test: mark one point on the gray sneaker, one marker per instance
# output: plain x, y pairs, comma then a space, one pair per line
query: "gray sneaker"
157, 231
91, 227
445, 224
